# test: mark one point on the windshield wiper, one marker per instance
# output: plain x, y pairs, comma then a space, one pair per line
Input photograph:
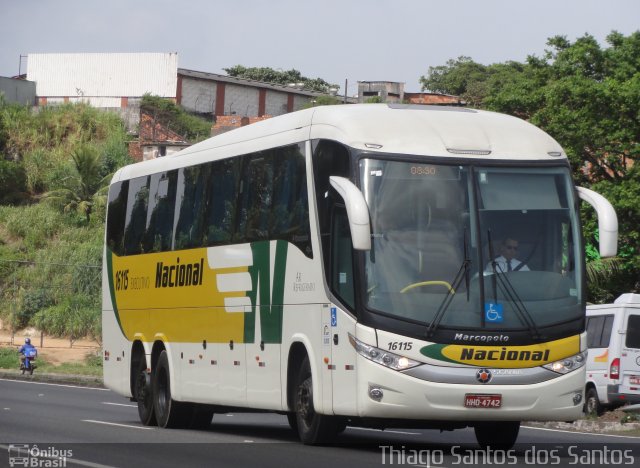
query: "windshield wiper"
463, 272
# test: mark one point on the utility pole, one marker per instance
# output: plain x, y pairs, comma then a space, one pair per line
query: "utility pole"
346, 81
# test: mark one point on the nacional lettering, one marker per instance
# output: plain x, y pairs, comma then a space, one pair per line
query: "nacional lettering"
179, 274
503, 354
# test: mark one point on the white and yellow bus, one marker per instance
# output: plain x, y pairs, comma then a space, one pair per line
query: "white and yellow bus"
341, 265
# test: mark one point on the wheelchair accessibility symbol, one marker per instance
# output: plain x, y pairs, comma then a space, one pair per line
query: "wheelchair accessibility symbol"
493, 312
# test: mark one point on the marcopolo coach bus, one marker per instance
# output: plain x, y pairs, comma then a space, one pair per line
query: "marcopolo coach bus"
342, 265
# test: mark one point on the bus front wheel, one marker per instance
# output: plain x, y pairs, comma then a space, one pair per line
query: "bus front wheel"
500, 435
313, 428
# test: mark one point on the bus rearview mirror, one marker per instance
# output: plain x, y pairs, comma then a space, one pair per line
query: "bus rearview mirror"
357, 212
607, 221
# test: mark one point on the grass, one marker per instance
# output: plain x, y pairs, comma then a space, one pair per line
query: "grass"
92, 366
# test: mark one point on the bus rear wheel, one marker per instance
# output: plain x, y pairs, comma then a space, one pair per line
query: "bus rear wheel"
500, 435
313, 428
169, 413
144, 395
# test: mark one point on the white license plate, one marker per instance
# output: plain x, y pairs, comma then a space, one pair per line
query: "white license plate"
634, 380
473, 400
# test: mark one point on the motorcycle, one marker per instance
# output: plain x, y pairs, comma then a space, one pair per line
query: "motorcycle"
27, 364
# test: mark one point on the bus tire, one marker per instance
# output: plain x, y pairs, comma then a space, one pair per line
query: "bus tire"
143, 393
169, 413
592, 406
313, 428
499, 435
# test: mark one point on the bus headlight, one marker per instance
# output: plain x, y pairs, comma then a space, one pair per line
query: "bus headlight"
386, 358
569, 364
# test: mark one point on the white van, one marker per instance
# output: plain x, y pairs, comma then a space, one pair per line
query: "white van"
613, 362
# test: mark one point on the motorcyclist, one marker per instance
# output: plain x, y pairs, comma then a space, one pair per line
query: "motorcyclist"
26, 349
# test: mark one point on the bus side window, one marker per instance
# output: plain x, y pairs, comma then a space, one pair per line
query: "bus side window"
342, 258
255, 208
117, 211
137, 202
221, 208
193, 183
159, 226
290, 209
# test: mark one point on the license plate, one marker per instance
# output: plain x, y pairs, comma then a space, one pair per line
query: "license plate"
634, 380
482, 401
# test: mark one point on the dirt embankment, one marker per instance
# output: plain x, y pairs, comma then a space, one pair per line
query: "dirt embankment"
53, 350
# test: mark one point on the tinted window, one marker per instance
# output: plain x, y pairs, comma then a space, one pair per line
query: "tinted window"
115, 219
261, 196
162, 199
136, 220
342, 283
290, 205
606, 331
256, 190
272, 199
193, 183
633, 332
599, 331
221, 206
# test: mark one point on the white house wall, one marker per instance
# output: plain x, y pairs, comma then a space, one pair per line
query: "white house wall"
98, 75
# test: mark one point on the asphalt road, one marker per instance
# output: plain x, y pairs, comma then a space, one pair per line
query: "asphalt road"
40, 423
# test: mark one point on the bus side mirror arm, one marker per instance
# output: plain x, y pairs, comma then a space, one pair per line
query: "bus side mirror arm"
607, 221
357, 212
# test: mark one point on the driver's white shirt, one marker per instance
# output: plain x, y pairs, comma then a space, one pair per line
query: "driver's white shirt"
501, 265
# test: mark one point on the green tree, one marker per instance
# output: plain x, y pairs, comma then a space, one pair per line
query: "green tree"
284, 78
587, 97
84, 186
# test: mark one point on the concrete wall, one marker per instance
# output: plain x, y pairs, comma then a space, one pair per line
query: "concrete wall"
198, 95
18, 91
208, 93
241, 100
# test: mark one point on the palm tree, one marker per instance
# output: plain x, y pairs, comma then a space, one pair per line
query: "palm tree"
84, 188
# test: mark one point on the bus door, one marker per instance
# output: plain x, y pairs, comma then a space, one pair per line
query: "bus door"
342, 323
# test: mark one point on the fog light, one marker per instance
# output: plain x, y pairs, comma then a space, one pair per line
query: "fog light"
577, 398
375, 393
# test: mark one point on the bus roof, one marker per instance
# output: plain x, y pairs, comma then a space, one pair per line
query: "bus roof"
387, 128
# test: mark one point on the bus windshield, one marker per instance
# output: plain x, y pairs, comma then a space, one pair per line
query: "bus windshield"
471, 247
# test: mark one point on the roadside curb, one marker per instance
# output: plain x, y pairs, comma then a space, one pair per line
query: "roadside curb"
589, 427
63, 379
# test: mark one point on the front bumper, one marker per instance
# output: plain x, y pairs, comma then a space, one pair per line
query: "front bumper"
406, 397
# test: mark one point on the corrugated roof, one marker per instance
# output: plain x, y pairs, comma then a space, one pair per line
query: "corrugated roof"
104, 74
246, 82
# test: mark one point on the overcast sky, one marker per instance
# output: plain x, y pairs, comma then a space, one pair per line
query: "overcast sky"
337, 40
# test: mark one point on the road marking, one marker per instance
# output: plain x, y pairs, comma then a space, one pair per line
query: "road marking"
67, 461
580, 432
119, 404
380, 430
117, 424
56, 385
